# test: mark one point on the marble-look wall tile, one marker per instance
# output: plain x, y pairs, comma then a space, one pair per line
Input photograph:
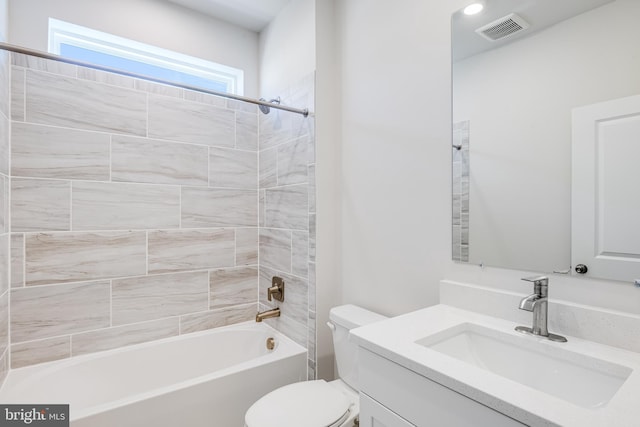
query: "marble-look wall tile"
112, 206
158, 162
106, 78
217, 207
67, 257
5, 84
311, 174
40, 205
246, 131
4, 366
120, 336
287, 207
275, 249
42, 64
242, 106
296, 302
159, 89
4, 201
311, 338
292, 161
4, 263
233, 286
49, 311
193, 122
17, 260
247, 246
312, 286
268, 168
50, 152
180, 250
4, 324
290, 327
5, 125
7, 89
215, 318
17, 93
40, 351
300, 253
138, 299
83, 104
262, 195
460, 192
205, 98
312, 237
275, 128
230, 168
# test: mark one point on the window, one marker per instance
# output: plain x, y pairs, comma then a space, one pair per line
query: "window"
95, 47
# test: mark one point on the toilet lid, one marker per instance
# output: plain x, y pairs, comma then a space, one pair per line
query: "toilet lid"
308, 404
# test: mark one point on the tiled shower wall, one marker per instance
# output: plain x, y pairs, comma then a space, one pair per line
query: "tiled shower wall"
287, 215
134, 211
5, 104
460, 193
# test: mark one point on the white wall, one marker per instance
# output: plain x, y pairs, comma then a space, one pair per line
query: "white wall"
328, 176
287, 47
155, 22
396, 164
519, 99
396, 101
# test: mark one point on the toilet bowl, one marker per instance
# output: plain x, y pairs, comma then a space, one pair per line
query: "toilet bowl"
319, 403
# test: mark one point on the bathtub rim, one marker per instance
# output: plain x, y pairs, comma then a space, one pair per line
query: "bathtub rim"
288, 348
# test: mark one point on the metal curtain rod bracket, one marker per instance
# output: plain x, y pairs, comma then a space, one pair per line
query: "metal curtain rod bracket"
58, 58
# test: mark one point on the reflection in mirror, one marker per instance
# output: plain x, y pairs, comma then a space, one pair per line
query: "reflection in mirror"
516, 84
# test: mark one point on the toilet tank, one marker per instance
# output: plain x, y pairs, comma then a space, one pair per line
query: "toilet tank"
342, 319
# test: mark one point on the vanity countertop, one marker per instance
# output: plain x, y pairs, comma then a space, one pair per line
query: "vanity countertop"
396, 339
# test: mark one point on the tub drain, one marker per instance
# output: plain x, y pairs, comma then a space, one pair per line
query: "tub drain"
271, 343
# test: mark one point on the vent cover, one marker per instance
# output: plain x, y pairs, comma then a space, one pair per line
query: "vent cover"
503, 27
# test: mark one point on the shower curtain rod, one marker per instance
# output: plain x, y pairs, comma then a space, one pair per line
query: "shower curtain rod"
58, 58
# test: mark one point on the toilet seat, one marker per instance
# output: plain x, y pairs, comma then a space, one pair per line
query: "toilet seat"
309, 404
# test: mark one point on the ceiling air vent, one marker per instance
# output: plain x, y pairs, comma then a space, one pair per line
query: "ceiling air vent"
503, 27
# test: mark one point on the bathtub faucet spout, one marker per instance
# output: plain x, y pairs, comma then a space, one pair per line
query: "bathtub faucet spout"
267, 314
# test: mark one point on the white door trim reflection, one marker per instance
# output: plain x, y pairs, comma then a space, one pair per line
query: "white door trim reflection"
605, 196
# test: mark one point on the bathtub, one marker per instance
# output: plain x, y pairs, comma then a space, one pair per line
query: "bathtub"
207, 378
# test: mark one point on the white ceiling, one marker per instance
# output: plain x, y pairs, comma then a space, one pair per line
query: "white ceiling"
539, 13
253, 15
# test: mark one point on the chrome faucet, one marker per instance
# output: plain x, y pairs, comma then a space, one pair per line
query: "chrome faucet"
538, 303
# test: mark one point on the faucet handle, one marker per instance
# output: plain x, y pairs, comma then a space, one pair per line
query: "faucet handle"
537, 280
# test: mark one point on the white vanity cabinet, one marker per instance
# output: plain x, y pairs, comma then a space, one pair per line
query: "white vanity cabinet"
394, 396
373, 414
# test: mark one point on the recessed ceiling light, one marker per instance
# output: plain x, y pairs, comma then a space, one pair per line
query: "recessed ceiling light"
473, 8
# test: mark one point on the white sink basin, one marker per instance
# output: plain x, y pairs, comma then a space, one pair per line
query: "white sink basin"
536, 363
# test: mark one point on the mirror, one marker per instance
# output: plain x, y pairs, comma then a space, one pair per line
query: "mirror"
516, 100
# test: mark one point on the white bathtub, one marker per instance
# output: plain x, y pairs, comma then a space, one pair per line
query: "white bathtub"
202, 379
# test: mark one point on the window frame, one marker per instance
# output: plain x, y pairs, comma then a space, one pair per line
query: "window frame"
61, 32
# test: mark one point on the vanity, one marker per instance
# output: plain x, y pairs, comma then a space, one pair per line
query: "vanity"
546, 113
446, 366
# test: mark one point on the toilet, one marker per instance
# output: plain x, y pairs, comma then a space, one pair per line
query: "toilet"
320, 403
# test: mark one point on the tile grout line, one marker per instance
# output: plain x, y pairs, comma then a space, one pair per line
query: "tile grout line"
124, 134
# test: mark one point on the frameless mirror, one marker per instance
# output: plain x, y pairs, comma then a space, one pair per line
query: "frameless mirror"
537, 85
